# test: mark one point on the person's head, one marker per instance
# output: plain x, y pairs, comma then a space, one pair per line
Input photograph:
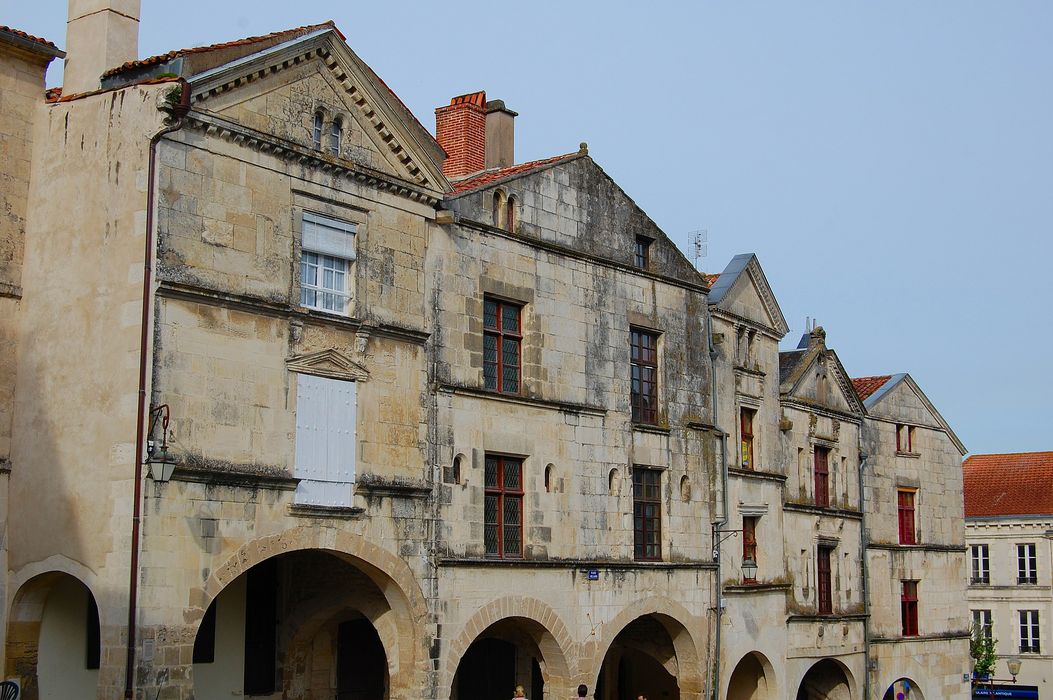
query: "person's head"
520, 693
583, 690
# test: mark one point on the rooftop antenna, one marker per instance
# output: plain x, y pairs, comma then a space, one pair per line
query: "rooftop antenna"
700, 242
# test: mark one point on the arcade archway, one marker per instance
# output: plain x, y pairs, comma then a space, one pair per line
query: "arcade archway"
643, 659
827, 679
752, 679
511, 652
904, 689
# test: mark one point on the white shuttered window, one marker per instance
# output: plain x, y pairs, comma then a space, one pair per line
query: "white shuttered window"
325, 440
325, 263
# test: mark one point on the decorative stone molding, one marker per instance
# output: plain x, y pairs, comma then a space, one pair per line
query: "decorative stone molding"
329, 363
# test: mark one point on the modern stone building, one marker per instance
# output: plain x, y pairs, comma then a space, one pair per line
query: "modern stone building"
1009, 530
305, 402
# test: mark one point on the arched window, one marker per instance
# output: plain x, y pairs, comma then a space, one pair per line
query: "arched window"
498, 206
335, 132
316, 132
510, 214
548, 478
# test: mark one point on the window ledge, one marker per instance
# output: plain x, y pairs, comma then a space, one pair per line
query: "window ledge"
585, 564
646, 428
822, 510
522, 400
749, 370
910, 455
760, 587
392, 487
920, 547
308, 510
935, 637
757, 474
832, 617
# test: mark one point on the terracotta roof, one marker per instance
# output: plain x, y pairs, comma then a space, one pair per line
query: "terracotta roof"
866, 386
711, 279
490, 176
53, 94
164, 57
1008, 484
30, 37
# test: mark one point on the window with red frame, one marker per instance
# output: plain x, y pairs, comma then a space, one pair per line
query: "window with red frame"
746, 416
909, 608
749, 541
907, 533
502, 340
823, 585
644, 359
822, 476
647, 514
503, 526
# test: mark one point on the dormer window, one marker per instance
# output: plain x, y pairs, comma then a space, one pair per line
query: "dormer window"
316, 131
642, 252
336, 131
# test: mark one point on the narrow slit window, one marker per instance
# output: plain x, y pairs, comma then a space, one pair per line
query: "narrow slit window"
336, 133
316, 131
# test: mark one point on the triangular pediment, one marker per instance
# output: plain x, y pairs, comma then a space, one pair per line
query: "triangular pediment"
819, 379
903, 401
328, 363
278, 90
572, 202
742, 290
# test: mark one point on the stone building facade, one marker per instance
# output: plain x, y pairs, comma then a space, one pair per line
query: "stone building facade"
322, 405
1009, 531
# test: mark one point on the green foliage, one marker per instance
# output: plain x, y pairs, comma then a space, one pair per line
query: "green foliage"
982, 651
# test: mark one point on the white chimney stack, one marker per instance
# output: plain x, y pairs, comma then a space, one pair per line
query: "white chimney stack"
100, 34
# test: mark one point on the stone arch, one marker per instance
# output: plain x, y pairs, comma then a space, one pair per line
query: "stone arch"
33, 586
828, 667
674, 618
900, 686
753, 678
392, 576
555, 643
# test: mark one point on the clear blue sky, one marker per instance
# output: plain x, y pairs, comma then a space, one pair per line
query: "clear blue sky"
890, 162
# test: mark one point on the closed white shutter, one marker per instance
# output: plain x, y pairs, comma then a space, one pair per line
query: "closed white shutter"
325, 440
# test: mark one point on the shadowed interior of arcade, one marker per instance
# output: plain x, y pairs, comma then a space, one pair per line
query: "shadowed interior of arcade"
506, 654
826, 680
305, 624
641, 660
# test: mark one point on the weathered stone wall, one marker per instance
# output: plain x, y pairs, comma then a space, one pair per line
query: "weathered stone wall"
75, 400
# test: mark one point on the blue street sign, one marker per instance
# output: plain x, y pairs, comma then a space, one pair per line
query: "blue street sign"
594, 574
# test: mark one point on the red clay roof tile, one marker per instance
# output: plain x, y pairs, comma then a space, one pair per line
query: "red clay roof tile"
19, 32
711, 279
161, 58
1008, 484
866, 386
490, 176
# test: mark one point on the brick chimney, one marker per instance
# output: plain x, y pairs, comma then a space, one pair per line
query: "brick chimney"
100, 34
460, 128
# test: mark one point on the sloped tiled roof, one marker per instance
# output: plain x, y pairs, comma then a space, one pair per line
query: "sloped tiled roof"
711, 279
788, 362
1008, 484
164, 57
488, 177
24, 35
866, 386
45, 45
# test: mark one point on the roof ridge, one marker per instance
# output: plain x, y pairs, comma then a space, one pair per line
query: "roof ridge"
489, 176
162, 57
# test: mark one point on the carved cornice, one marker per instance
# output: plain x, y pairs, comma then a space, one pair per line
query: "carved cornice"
819, 510
238, 134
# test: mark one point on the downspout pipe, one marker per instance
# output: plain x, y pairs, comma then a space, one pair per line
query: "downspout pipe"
179, 111
714, 674
863, 457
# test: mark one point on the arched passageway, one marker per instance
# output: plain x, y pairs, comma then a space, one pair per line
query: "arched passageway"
308, 623
904, 689
53, 639
506, 654
642, 660
826, 680
752, 679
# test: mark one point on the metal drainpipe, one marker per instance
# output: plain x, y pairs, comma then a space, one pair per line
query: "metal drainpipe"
180, 110
863, 457
714, 675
